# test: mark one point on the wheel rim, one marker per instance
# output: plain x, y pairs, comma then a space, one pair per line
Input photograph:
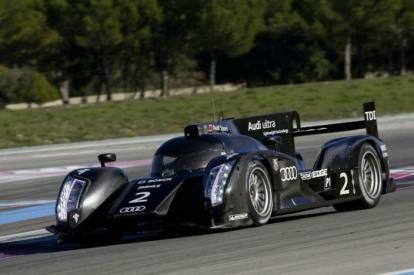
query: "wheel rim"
370, 175
259, 191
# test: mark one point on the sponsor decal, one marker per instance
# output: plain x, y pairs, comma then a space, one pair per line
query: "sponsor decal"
259, 125
288, 173
152, 186
305, 175
327, 185
276, 132
320, 173
159, 180
81, 171
218, 128
370, 116
314, 174
275, 165
132, 209
237, 217
76, 217
384, 150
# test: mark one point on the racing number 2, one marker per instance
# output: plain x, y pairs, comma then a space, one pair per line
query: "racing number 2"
141, 197
345, 188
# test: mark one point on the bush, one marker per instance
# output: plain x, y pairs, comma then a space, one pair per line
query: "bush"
25, 85
37, 89
9, 85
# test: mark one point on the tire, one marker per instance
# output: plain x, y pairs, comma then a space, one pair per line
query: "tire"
369, 180
259, 193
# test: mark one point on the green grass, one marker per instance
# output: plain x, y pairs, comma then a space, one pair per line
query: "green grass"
325, 100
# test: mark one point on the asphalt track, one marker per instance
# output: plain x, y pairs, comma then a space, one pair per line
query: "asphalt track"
314, 242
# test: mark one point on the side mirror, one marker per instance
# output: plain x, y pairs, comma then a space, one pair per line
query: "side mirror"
104, 158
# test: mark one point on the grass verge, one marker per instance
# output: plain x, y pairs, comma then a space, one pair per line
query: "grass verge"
325, 100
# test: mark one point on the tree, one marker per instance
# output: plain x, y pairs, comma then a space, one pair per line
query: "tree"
25, 36
100, 33
24, 85
404, 29
174, 37
228, 28
362, 20
138, 20
292, 46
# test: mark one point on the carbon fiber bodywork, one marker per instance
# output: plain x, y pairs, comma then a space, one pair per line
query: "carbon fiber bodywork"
201, 178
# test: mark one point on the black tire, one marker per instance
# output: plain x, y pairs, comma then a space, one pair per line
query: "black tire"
369, 180
259, 193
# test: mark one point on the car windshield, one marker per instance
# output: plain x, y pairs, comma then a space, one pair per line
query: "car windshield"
184, 155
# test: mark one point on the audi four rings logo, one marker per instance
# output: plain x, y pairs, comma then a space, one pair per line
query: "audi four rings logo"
288, 173
132, 209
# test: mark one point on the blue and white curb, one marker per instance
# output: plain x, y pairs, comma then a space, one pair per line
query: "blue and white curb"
27, 213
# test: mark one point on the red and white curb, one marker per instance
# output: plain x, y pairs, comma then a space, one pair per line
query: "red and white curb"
403, 173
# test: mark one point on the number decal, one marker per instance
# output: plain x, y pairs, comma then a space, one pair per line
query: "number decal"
344, 189
141, 197
353, 182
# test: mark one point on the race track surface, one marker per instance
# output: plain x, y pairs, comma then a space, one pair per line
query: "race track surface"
314, 242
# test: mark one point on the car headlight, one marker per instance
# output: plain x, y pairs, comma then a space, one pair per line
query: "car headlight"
216, 182
69, 197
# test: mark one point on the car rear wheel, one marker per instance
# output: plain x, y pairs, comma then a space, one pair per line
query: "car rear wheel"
369, 180
259, 193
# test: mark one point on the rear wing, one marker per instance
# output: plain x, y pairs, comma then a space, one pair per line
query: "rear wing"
285, 126
369, 123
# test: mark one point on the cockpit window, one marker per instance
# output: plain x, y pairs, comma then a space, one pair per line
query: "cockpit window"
183, 155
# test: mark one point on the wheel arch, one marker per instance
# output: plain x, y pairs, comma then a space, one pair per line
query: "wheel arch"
344, 152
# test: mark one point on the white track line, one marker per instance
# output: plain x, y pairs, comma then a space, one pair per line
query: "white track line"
25, 235
24, 203
86, 144
405, 272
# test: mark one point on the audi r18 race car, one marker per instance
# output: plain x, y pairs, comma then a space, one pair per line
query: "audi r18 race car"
229, 173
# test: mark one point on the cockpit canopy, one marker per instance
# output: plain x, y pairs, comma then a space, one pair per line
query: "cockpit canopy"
182, 155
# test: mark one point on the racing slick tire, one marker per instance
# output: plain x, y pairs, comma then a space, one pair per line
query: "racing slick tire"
369, 180
259, 193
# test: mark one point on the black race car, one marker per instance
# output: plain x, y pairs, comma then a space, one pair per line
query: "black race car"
229, 173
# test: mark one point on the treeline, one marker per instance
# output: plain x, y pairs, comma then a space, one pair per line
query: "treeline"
102, 46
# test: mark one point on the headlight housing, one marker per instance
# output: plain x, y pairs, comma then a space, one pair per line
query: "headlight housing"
216, 182
69, 197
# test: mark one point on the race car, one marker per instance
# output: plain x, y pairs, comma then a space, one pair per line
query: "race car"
229, 173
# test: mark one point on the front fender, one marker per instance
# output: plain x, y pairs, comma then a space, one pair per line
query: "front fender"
234, 211
102, 187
